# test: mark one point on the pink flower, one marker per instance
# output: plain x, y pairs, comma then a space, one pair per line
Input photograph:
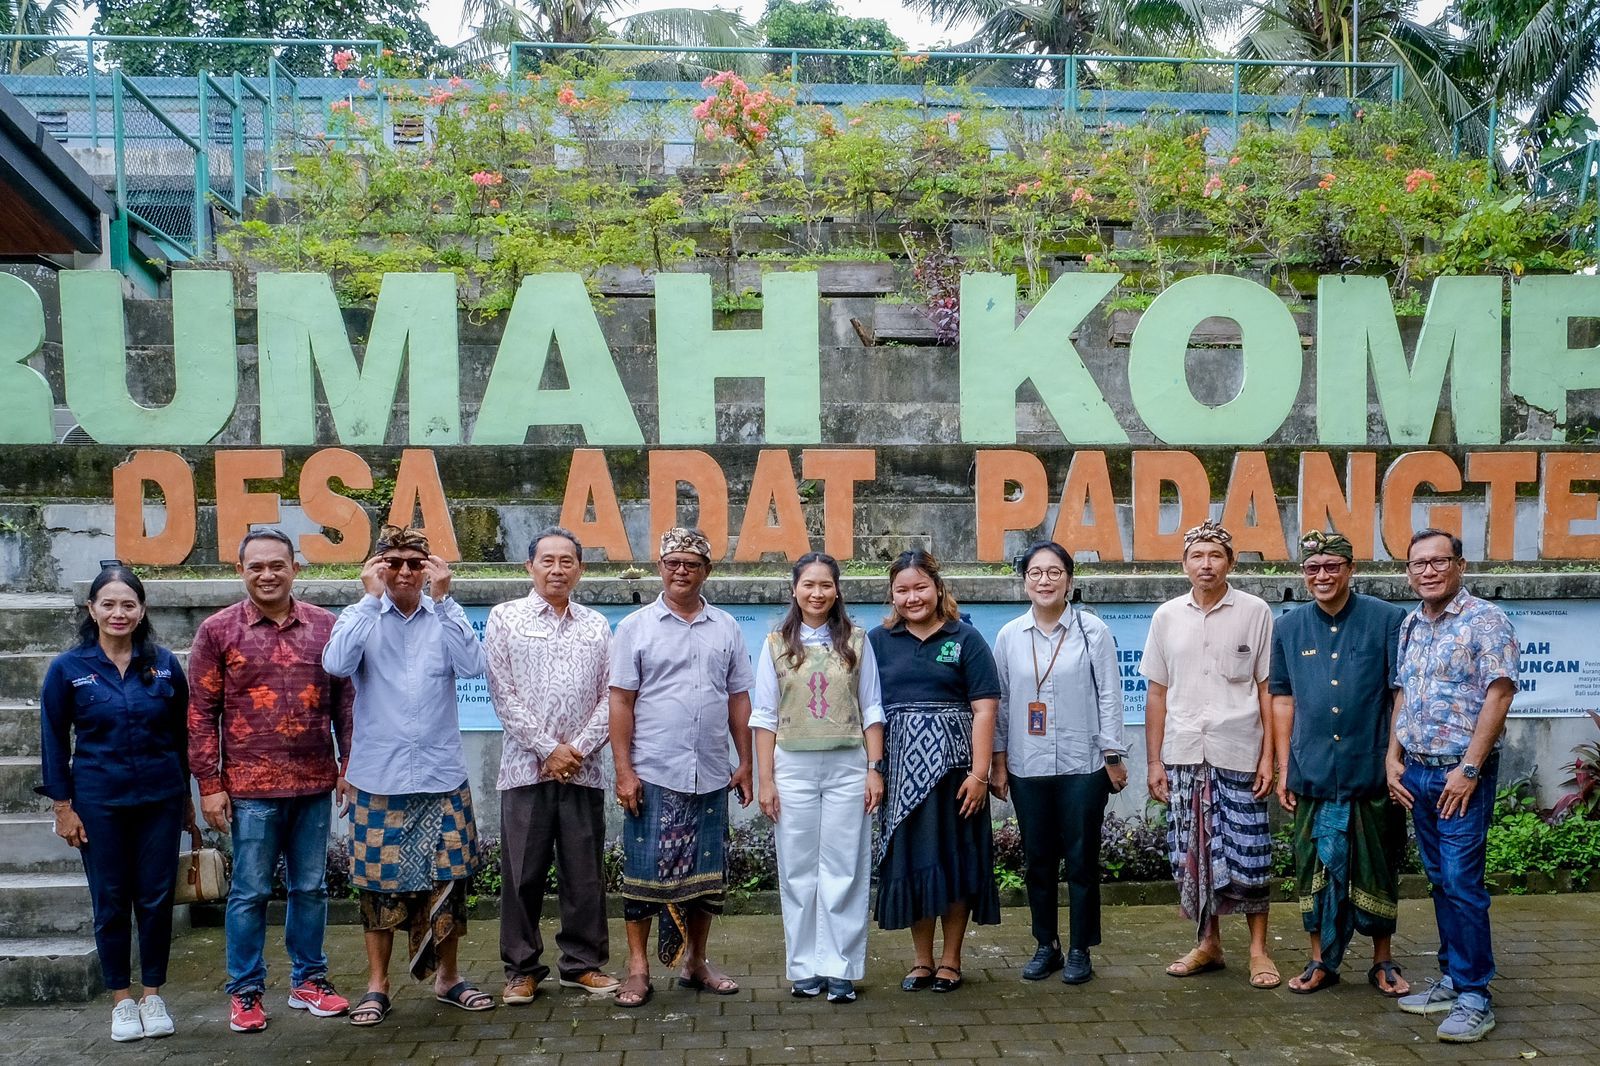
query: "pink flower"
1234, 161
456, 83
494, 106
856, 121
953, 117
1239, 187
363, 84
1081, 196
710, 131
1418, 178
339, 105
1213, 187
1327, 181
342, 59
567, 97
701, 110
494, 203
485, 178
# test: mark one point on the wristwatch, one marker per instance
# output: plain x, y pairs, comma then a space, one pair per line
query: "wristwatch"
1469, 771
880, 765
1113, 759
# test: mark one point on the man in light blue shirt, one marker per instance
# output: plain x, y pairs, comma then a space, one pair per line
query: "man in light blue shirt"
413, 841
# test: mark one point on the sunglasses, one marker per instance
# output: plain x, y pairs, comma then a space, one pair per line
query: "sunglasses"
1312, 569
410, 564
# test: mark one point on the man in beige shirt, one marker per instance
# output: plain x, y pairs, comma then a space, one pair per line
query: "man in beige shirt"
1208, 740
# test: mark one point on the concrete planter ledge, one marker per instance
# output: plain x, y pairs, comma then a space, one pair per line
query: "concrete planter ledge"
1114, 894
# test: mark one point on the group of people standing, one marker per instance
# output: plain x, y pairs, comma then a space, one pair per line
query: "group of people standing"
878, 754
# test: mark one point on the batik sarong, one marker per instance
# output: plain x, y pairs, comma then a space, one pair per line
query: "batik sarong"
674, 861
1345, 856
1220, 842
411, 856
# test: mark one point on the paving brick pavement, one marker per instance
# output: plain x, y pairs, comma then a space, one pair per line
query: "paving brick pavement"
1548, 949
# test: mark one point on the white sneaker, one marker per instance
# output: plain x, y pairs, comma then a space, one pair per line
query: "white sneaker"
125, 1022
153, 1013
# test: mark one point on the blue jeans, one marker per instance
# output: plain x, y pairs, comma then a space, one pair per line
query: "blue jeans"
264, 829
1453, 852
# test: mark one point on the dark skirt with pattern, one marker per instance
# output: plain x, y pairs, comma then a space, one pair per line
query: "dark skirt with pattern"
936, 858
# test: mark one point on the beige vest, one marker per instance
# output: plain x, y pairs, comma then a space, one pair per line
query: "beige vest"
817, 705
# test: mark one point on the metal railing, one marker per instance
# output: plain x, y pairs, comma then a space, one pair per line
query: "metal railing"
1092, 88
1574, 175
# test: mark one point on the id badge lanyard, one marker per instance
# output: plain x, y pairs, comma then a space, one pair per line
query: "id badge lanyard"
1037, 711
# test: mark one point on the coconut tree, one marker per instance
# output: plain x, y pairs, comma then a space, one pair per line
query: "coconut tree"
38, 57
1538, 58
498, 24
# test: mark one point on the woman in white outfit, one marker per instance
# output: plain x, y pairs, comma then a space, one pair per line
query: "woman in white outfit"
818, 723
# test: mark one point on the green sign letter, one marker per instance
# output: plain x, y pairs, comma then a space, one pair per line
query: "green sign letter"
998, 357
1269, 345
25, 400
205, 367
300, 327
1461, 332
554, 308
690, 356
1544, 365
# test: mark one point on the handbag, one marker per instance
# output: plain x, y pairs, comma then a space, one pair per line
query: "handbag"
202, 873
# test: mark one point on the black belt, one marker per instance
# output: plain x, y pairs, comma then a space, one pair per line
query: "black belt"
1435, 761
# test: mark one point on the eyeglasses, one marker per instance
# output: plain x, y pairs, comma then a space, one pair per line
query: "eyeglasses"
1438, 566
1054, 573
686, 565
409, 564
1313, 569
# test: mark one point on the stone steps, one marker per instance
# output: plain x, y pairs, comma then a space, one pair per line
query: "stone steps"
37, 621
18, 776
22, 673
19, 727
30, 844
47, 904
45, 969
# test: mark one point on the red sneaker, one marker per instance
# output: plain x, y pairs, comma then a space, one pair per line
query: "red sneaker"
318, 996
247, 1015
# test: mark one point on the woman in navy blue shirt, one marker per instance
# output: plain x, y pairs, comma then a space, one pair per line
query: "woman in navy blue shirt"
935, 856
121, 793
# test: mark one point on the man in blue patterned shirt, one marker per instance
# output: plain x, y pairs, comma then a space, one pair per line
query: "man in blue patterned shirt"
1457, 674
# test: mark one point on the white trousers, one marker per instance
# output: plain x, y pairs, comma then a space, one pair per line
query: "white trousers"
823, 839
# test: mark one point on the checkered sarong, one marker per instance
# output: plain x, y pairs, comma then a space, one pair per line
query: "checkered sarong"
407, 843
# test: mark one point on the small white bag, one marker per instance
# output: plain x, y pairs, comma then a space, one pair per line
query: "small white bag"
202, 873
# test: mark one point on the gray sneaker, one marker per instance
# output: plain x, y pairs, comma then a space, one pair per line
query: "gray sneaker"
1467, 1022
1438, 997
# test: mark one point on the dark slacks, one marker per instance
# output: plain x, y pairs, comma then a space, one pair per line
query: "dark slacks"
566, 824
131, 862
1061, 818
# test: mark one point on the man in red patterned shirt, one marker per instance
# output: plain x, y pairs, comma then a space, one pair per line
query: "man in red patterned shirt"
263, 718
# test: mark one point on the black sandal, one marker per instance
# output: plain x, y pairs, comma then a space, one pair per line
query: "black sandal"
1330, 978
944, 984
916, 982
1390, 970
370, 1009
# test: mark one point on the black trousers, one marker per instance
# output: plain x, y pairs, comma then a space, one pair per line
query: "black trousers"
1060, 818
131, 862
565, 824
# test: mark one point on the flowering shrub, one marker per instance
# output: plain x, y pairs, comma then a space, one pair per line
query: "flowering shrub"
735, 112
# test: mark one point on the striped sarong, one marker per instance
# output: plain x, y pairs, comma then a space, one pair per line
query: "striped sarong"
1220, 842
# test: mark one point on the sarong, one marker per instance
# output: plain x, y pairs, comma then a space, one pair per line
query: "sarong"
412, 856
922, 743
1220, 842
1346, 853
673, 861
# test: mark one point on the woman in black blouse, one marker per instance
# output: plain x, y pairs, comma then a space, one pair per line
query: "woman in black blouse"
935, 856
113, 723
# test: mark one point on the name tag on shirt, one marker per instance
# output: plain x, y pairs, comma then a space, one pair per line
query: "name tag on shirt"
1036, 719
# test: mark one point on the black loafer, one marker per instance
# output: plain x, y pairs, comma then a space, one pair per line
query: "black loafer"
916, 981
1079, 969
945, 984
1046, 961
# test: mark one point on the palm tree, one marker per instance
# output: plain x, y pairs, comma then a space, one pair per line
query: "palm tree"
1542, 57
1322, 30
498, 24
38, 57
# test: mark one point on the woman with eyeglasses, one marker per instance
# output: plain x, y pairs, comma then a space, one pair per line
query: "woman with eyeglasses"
935, 855
114, 741
818, 724
1058, 749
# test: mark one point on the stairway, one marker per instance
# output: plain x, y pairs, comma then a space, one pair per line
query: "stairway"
47, 948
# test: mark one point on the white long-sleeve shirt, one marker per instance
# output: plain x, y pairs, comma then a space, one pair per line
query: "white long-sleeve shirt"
764, 696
